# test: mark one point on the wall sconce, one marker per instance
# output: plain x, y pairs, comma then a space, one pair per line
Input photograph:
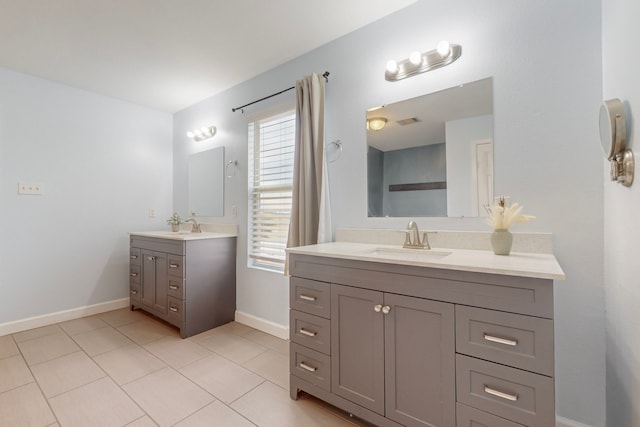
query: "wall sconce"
444, 54
202, 133
376, 123
613, 136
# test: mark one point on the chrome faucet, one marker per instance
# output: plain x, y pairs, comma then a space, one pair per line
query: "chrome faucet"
412, 228
196, 227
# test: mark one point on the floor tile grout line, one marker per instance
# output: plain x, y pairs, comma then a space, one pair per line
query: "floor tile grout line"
35, 380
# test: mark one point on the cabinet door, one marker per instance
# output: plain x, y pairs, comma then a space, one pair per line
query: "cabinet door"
419, 361
154, 281
357, 346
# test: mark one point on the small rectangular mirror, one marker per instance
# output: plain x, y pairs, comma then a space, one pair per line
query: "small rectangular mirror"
432, 155
206, 183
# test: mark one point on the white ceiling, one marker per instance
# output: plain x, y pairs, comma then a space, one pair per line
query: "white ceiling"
169, 54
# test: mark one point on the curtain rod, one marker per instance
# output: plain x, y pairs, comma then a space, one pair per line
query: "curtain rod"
325, 75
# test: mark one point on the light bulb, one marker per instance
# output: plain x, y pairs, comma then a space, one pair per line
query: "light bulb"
443, 48
191, 134
198, 132
415, 58
392, 66
205, 130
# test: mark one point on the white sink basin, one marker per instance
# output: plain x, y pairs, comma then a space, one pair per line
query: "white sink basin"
408, 254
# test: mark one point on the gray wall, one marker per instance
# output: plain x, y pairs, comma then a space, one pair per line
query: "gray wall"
622, 226
544, 57
103, 163
415, 165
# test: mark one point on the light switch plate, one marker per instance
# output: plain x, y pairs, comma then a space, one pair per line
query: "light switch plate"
30, 188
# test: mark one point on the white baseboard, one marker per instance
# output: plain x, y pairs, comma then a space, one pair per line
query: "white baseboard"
61, 316
565, 422
263, 325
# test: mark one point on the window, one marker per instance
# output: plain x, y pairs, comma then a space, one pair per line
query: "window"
271, 147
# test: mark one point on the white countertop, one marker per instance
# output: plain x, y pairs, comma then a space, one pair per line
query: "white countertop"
181, 235
542, 266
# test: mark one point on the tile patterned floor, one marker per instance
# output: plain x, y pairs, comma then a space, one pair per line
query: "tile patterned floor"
125, 368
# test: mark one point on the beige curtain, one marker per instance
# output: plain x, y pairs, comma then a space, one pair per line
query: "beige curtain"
310, 209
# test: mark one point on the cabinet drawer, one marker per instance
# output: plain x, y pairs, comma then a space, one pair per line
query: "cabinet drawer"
310, 296
470, 417
311, 331
134, 293
310, 365
134, 256
510, 393
510, 339
134, 274
175, 265
175, 287
175, 311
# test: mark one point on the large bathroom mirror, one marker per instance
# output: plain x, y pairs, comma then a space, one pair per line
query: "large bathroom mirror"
206, 183
432, 155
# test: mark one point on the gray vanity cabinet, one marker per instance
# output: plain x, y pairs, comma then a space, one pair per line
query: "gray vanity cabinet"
154, 281
394, 355
418, 346
188, 283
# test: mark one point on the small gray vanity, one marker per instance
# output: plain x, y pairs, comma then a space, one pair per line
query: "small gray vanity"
463, 338
188, 280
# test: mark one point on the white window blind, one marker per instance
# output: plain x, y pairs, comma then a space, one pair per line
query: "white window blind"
271, 147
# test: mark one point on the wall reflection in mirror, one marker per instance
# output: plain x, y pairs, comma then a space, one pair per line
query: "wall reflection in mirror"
206, 183
432, 155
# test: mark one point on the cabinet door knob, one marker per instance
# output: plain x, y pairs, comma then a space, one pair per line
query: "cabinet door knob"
151, 258
134, 256
134, 292
134, 274
386, 309
377, 308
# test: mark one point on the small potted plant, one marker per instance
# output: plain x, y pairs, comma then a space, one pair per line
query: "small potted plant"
501, 217
175, 222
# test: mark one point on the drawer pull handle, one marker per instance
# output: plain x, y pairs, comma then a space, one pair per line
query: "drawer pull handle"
303, 331
174, 265
134, 292
499, 340
494, 392
377, 308
173, 287
151, 258
134, 256
307, 367
174, 309
134, 274
307, 297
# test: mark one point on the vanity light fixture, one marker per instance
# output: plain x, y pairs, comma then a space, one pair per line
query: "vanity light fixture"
200, 134
376, 123
444, 54
613, 136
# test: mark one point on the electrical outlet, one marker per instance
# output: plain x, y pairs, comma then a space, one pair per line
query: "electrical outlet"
29, 188
152, 213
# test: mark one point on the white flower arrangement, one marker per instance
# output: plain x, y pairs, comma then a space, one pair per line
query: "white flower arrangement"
501, 216
175, 219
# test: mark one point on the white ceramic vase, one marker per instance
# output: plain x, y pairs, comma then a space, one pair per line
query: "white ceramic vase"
501, 241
